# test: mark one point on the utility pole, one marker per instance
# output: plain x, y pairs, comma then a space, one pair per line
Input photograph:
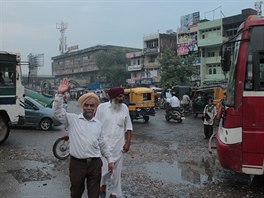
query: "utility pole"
62, 27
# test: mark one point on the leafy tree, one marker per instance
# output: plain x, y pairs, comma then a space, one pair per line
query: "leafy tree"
112, 66
175, 70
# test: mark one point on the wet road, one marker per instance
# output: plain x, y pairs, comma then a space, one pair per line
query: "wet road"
167, 159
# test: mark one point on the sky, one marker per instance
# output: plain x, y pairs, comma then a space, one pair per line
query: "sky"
29, 26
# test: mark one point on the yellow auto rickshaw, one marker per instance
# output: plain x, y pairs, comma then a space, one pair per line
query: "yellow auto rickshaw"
141, 102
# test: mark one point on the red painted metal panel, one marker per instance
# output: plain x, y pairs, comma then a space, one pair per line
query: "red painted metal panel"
230, 156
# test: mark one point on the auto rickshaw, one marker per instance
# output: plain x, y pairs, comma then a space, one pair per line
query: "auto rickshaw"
200, 98
141, 103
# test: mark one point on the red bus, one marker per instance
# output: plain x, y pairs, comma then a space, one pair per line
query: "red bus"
240, 135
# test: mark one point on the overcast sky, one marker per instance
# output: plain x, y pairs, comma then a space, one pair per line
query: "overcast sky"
29, 26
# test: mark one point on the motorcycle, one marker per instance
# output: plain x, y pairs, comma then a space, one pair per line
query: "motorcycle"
61, 148
175, 114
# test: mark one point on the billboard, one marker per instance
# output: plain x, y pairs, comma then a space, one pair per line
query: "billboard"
189, 21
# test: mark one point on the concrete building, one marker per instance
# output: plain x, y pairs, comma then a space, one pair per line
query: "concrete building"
80, 66
144, 65
210, 40
211, 35
231, 24
136, 67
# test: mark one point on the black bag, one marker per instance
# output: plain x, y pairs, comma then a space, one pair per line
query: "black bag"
206, 117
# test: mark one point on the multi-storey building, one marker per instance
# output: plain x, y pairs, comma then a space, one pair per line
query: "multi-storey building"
210, 40
135, 67
80, 66
144, 65
231, 24
211, 35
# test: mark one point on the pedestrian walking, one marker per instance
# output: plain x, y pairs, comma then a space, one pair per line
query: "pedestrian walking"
186, 102
86, 143
209, 114
117, 127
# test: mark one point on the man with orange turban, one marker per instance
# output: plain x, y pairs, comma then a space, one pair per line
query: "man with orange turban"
86, 143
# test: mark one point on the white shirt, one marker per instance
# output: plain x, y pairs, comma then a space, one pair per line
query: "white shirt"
174, 102
86, 138
115, 124
185, 99
212, 114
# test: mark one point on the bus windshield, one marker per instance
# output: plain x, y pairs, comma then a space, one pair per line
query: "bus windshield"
7, 74
230, 93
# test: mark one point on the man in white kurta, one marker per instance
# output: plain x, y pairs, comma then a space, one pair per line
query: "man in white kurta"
117, 127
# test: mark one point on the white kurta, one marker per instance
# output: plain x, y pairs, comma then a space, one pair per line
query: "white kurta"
115, 124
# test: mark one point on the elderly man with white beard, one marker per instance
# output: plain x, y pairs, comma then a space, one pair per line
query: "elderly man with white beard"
117, 128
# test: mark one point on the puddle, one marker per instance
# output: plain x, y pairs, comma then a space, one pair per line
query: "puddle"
191, 173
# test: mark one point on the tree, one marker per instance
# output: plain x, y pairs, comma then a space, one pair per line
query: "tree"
175, 70
112, 66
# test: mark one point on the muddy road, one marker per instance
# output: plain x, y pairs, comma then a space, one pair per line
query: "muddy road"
167, 159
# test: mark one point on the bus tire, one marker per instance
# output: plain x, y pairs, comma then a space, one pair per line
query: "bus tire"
4, 130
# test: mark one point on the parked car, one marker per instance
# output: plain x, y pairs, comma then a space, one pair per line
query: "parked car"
36, 115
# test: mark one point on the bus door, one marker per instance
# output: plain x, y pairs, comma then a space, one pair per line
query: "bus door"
253, 115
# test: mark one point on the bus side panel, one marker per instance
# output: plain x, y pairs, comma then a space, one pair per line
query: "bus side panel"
229, 155
253, 147
253, 159
253, 129
253, 112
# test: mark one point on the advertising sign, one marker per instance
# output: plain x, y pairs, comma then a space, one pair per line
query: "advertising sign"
188, 21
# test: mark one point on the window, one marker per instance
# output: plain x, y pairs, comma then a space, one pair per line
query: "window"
214, 71
249, 74
210, 54
146, 96
261, 71
7, 74
152, 43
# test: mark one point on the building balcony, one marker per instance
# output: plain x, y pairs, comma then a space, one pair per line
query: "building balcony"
151, 50
152, 65
214, 77
210, 41
211, 60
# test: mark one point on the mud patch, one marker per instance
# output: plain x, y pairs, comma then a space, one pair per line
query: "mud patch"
27, 175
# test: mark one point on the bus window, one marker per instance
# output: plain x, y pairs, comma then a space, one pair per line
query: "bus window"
7, 77
261, 71
2, 80
249, 74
